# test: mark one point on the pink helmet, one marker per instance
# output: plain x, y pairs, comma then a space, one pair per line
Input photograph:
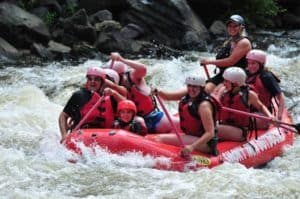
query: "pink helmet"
257, 55
96, 71
112, 74
119, 67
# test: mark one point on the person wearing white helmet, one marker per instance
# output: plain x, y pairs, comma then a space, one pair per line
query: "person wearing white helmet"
236, 94
264, 83
82, 101
132, 76
197, 114
232, 53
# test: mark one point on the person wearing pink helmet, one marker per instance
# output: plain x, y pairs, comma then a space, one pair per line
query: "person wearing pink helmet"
264, 83
112, 75
132, 76
119, 67
112, 80
197, 113
236, 94
82, 101
128, 120
232, 53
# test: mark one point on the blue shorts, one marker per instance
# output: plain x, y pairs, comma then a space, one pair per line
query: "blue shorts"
152, 119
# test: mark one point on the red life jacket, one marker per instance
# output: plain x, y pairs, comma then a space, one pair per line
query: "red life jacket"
100, 117
263, 93
239, 102
145, 104
190, 122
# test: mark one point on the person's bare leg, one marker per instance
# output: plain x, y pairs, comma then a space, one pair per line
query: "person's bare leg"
226, 132
164, 126
186, 139
262, 124
167, 139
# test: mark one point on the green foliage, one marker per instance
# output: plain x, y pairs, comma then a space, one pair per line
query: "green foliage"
259, 12
49, 18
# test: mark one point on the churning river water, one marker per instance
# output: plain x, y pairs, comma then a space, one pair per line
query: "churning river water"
33, 164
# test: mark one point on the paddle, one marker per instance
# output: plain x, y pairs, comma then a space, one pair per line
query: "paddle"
170, 120
206, 70
111, 63
280, 123
188, 157
88, 113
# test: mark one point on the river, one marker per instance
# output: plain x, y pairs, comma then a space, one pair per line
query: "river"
33, 164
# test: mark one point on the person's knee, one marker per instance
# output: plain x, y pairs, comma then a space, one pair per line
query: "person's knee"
158, 138
209, 87
163, 125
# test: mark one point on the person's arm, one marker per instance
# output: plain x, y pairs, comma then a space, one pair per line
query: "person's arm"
218, 94
168, 95
63, 125
205, 110
280, 98
116, 95
254, 101
121, 89
271, 82
139, 70
241, 50
140, 122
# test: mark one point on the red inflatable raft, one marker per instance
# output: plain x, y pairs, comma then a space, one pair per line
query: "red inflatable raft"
252, 153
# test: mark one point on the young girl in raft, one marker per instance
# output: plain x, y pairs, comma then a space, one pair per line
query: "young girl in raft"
128, 120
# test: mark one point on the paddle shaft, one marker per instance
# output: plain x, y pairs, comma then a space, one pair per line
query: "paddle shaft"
88, 113
258, 116
112, 64
206, 71
170, 120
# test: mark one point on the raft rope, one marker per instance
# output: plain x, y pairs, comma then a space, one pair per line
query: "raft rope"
254, 147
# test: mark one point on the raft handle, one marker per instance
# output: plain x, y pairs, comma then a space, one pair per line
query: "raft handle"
111, 133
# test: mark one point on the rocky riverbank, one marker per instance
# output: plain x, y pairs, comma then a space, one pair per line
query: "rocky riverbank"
50, 30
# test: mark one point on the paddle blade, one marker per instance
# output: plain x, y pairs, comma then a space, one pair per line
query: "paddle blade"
297, 127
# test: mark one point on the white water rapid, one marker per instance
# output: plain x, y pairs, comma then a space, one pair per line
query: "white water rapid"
33, 164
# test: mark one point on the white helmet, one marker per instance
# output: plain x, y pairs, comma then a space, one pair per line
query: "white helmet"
195, 80
112, 74
235, 75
